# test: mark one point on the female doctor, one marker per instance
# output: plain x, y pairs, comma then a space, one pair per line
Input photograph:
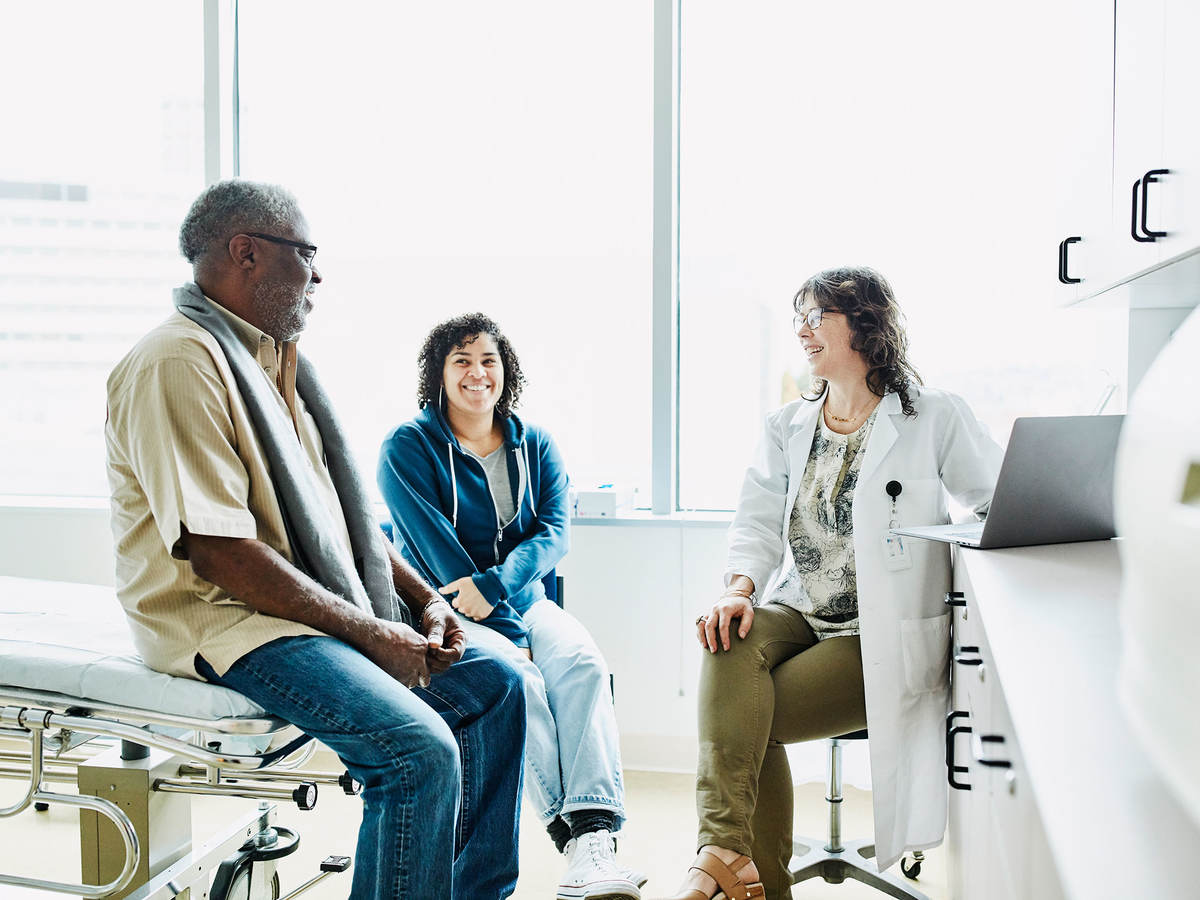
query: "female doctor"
828, 623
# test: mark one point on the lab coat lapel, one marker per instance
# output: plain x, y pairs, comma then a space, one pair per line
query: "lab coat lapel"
883, 436
799, 445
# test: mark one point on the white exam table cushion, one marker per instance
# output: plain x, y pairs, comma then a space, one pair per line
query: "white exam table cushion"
72, 639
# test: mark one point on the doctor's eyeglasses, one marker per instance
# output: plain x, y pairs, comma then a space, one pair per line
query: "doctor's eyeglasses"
812, 318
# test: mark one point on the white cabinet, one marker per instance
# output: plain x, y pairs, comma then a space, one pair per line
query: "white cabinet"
997, 847
1129, 180
1180, 197
1137, 134
1082, 187
1078, 812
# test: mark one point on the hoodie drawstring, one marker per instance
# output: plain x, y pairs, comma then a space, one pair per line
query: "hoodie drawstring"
528, 478
453, 484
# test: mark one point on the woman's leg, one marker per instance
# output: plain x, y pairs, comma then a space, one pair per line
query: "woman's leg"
577, 686
736, 709
818, 694
772, 822
543, 780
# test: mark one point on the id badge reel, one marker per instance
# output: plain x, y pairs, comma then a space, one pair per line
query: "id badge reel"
896, 556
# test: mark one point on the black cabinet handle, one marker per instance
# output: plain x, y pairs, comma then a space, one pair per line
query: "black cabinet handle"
1148, 179
964, 660
1063, 250
952, 768
1133, 217
955, 598
982, 758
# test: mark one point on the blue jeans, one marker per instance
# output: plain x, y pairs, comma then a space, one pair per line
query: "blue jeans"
572, 752
440, 766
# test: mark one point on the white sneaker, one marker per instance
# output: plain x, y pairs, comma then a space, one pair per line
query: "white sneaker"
592, 871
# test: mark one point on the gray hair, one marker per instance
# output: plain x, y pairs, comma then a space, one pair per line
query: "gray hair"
234, 207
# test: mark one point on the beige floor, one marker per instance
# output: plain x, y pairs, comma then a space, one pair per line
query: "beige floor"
658, 839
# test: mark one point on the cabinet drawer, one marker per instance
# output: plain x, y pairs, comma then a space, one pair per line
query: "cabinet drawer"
998, 769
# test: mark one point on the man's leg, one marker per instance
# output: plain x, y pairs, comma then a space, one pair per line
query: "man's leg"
402, 752
482, 699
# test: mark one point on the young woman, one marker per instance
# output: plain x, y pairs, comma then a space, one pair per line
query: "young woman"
827, 624
478, 499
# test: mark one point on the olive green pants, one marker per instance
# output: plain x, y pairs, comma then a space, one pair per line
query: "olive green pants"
778, 686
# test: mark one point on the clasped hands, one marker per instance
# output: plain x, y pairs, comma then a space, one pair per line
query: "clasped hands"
413, 655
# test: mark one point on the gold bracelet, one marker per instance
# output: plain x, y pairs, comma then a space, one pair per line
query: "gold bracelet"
739, 593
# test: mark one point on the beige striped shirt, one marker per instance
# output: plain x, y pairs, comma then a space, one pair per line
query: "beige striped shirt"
182, 451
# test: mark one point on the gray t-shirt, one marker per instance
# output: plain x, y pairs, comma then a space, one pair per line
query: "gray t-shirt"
495, 468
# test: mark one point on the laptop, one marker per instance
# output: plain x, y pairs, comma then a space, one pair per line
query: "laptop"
1055, 486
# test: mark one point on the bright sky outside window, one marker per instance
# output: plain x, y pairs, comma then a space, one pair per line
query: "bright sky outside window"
104, 150
819, 135
479, 157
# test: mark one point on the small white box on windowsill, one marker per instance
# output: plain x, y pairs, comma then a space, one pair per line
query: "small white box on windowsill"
603, 502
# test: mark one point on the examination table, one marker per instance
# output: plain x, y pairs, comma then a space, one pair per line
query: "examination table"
69, 677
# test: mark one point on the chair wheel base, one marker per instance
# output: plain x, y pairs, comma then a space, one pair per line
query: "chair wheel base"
855, 860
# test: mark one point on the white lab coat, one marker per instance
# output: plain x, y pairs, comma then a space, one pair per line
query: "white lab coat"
905, 625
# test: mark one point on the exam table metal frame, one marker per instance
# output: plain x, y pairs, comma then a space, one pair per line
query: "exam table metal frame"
142, 850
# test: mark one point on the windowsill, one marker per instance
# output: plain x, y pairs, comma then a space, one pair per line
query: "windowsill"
51, 502
641, 518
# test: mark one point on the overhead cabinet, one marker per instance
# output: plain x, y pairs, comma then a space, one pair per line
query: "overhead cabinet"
1129, 195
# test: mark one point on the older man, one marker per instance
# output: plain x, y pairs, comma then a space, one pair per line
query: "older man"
247, 555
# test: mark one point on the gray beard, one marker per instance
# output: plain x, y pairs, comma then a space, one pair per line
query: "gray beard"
280, 310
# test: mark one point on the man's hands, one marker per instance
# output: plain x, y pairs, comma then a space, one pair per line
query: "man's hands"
469, 601
400, 652
444, 636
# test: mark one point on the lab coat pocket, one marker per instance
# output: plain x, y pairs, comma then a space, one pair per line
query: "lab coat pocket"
926, 644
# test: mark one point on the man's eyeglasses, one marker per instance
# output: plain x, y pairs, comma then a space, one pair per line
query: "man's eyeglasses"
812, 318
308, 254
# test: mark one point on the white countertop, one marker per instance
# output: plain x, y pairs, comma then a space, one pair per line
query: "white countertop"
1051, 618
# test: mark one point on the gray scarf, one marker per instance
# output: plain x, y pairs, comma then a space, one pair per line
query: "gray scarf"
309, 525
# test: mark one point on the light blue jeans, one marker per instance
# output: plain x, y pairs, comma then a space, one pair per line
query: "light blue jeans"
572, 755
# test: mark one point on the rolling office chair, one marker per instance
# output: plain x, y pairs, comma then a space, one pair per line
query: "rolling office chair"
835, 861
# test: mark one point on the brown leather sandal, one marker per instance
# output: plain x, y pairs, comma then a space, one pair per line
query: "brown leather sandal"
729, 886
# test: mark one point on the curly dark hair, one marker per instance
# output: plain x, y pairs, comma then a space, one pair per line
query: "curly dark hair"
876, 328
458, 332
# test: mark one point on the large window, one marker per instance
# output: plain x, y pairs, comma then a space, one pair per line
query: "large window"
103, 151
460, 157
498, 157
901, 136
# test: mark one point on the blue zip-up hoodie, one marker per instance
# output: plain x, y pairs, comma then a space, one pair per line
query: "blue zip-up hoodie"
446, 523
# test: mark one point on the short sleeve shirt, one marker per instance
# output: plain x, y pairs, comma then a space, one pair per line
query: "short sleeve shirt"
182, 452
821, 583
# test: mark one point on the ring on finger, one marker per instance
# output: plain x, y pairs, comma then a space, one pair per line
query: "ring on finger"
701, 618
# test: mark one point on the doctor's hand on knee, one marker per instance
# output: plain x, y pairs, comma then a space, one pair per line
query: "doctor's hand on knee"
713, 629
